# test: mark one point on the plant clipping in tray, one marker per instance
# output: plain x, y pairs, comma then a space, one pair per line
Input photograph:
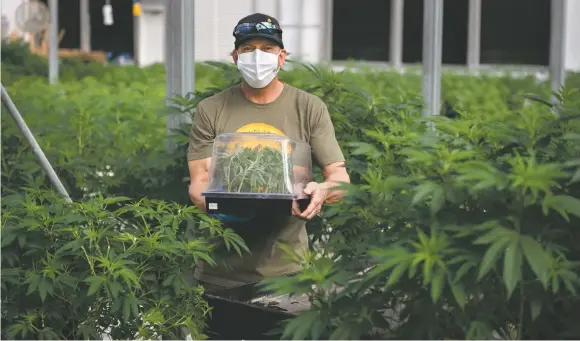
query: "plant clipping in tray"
259, 169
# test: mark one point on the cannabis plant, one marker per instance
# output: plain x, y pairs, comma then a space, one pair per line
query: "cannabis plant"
457, 228
259, 169
104, 267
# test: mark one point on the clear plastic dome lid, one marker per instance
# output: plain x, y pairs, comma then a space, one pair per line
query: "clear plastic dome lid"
259, 165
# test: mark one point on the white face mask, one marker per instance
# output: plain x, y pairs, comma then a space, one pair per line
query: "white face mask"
258, 67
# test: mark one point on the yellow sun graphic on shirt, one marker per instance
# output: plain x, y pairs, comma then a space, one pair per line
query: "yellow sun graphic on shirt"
251, 142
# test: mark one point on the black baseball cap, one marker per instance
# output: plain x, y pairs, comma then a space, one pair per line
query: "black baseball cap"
258, 25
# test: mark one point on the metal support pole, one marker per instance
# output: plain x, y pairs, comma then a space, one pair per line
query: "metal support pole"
557, 45
216, 30
136, 31
396, 48
180, 57
254, 6
85, 26
44, 163
328, 8
301, 7
474, 35
432, 42
53, 42
279, 12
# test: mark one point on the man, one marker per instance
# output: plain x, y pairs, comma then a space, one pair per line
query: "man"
262, 103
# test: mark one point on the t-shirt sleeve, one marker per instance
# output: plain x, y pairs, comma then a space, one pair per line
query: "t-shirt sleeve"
201, 136
323, 141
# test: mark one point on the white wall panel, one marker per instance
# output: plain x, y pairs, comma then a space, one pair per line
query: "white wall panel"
204, 38
290, 12
311, 45
269, 7
312, 14
230, 12
572, 59
301, 21
292, 41
152, 37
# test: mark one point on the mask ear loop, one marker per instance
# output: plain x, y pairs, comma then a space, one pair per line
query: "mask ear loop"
280, 66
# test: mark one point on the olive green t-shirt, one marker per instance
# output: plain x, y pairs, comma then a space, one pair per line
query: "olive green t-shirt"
296, 114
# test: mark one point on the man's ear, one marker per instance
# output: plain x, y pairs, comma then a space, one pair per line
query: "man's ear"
282, 57
235, 56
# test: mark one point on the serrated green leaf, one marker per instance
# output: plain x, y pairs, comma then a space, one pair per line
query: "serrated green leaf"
423, 238
563, 204
536, 258
168, 280
490, 256
459, 294
43, 287
570, 286
396, 274
422, 191
438, 200
437, 284
95, 284
114, 288
363, 148
7, 238
134, 306
21, 240
126, 309
463, 269
512, 268
427, 270
116, 306
493, 235
34, 280
318, 328
114, 200
298, 327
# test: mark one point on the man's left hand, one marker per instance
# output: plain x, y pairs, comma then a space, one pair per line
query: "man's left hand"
317, 193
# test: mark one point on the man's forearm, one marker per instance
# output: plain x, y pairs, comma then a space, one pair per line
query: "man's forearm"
195, 189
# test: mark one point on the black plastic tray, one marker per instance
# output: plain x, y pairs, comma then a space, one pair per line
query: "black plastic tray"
252, 204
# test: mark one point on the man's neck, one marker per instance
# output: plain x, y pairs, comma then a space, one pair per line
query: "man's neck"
265, 95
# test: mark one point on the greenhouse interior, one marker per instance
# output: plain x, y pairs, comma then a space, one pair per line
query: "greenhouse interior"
290, 169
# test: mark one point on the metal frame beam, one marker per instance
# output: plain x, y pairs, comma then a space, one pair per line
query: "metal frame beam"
474, 35
44, 163
53, 42
327, 12
557, 45
136, 31
85, 26
396, 39
432, 46
179, 56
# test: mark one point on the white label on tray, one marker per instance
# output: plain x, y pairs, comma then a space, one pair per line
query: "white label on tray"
213, 206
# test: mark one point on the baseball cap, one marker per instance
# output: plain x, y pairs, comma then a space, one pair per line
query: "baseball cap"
258, 25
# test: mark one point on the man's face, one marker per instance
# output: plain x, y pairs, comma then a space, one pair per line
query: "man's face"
264, 45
